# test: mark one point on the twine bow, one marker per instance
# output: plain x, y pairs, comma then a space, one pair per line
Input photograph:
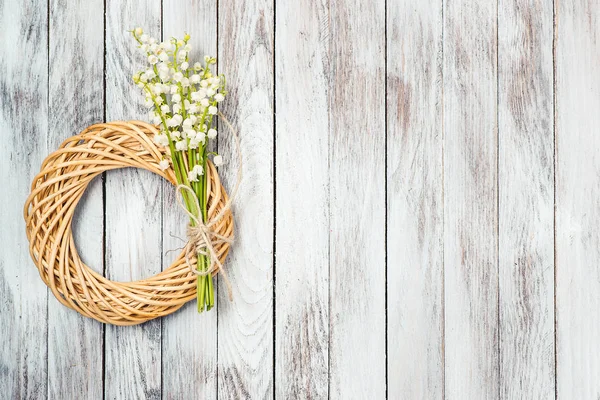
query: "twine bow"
202, 238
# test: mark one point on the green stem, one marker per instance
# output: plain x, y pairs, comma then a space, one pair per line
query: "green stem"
200, 286
211, 293
206, 297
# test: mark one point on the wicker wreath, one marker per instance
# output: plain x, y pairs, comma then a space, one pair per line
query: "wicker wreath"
49, 210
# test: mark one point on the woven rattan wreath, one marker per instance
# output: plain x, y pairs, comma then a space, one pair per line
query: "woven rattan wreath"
49, 210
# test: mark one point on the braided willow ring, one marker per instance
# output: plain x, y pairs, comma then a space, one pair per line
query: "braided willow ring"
49, 210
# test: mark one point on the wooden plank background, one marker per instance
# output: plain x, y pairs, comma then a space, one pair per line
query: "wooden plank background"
419, 216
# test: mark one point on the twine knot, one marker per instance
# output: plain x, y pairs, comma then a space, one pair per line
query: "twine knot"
202, 240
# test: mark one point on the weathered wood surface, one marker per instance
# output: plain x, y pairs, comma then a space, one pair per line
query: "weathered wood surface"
302, 274
577, 91
24, 133
75, 343
526, 199
415, 274
357, 200
418, 216
245, 337
471, 346
188, 339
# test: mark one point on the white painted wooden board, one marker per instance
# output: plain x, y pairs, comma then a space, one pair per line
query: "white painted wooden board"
133, 209
245, 337
75, 343
471, 357
418, 216
526, 199
577, 85
189, 339
302, 183
415, 273
24, 134
357, 200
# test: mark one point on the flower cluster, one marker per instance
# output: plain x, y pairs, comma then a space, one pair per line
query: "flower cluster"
182, 99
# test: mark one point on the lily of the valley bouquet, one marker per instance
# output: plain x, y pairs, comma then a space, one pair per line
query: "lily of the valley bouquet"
182, 98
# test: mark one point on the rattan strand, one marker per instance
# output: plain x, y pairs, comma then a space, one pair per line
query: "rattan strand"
49, 210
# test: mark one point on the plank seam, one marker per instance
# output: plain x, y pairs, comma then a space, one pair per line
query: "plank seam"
217, 286
274, 105
47, 139
329, 73
443, 294
385, 177
104, 206
554, 162
162, 236
498, 322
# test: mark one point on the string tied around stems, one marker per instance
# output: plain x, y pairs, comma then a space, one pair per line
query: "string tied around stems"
202, 238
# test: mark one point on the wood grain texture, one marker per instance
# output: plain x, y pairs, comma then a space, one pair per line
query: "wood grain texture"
357, 200
24, 133
492, 239
470, 200
189, 338
245, 338
133, 209
577, 200
76, 100
526, 199
302, 179
415, 202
